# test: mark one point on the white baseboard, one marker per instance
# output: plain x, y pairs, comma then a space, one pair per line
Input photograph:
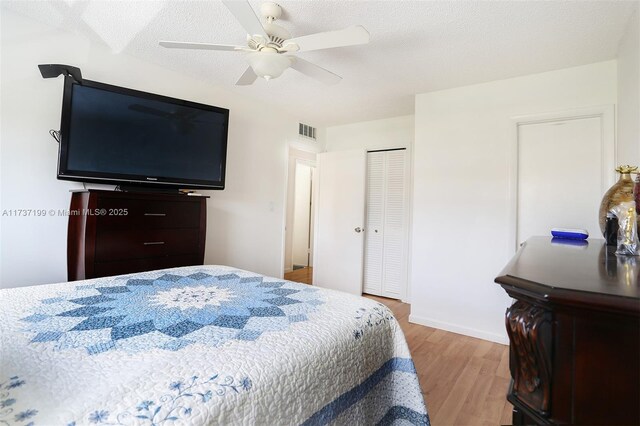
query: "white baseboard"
288, 270
455, 328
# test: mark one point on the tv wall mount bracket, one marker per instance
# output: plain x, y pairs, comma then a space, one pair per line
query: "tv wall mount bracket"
54, 70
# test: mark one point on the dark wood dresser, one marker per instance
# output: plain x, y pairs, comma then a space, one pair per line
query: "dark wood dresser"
113, 232
574, 332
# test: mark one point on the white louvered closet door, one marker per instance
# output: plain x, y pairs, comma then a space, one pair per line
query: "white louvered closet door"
386, 229
373, 236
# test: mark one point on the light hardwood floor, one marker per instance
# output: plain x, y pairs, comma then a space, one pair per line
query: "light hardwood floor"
303, 275
464, 380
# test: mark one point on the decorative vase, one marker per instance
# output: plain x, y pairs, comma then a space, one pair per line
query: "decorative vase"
619, 192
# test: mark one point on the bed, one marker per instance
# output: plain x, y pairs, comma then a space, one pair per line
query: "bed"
201, 345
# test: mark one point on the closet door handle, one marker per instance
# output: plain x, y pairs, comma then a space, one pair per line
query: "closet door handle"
155, 214
154, 243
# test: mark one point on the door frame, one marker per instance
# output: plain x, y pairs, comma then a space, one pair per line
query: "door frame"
606, 113
290, 152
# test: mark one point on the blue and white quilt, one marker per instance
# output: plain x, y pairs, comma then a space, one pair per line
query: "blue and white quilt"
198, 346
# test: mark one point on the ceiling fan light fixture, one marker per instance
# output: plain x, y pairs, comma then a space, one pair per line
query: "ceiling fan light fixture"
268, 65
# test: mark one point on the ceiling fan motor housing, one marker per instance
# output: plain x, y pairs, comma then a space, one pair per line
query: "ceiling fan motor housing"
270, 10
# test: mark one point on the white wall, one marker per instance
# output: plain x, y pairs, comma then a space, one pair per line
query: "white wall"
245, 225
461, 204
396, 132
629, 93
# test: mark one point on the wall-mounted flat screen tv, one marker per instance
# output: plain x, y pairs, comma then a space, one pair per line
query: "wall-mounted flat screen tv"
121, 136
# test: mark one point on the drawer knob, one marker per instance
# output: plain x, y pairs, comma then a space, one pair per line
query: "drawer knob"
154, 243
155, 214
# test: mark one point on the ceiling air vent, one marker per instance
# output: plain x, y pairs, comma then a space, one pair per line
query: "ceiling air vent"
307, 131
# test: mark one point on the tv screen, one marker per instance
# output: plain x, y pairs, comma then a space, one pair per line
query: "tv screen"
115, 135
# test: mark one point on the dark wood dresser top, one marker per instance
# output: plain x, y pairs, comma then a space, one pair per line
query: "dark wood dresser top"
567, 271
574, 334
158, 195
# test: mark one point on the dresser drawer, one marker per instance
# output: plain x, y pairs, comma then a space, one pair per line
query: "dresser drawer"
118, 244
120, 213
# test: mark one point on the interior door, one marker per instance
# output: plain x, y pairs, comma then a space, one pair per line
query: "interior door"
374, 237
395, 225
339, 220
386, 227
560, 176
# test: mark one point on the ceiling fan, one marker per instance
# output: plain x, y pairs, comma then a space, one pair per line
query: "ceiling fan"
270, 47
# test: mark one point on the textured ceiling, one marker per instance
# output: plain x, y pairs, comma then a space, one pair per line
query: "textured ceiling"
416, 46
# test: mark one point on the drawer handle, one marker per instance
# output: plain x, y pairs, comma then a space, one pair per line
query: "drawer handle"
154, 243
155, 214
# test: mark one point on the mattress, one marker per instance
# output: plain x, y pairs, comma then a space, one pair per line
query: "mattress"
198, 346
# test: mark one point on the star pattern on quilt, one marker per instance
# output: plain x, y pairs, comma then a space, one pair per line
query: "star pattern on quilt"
169, 311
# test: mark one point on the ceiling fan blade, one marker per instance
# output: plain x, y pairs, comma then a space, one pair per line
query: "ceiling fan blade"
246, 17
347, 37
247, 78
315, 71
201, 46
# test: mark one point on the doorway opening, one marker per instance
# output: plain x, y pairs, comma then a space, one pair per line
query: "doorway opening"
300, 218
